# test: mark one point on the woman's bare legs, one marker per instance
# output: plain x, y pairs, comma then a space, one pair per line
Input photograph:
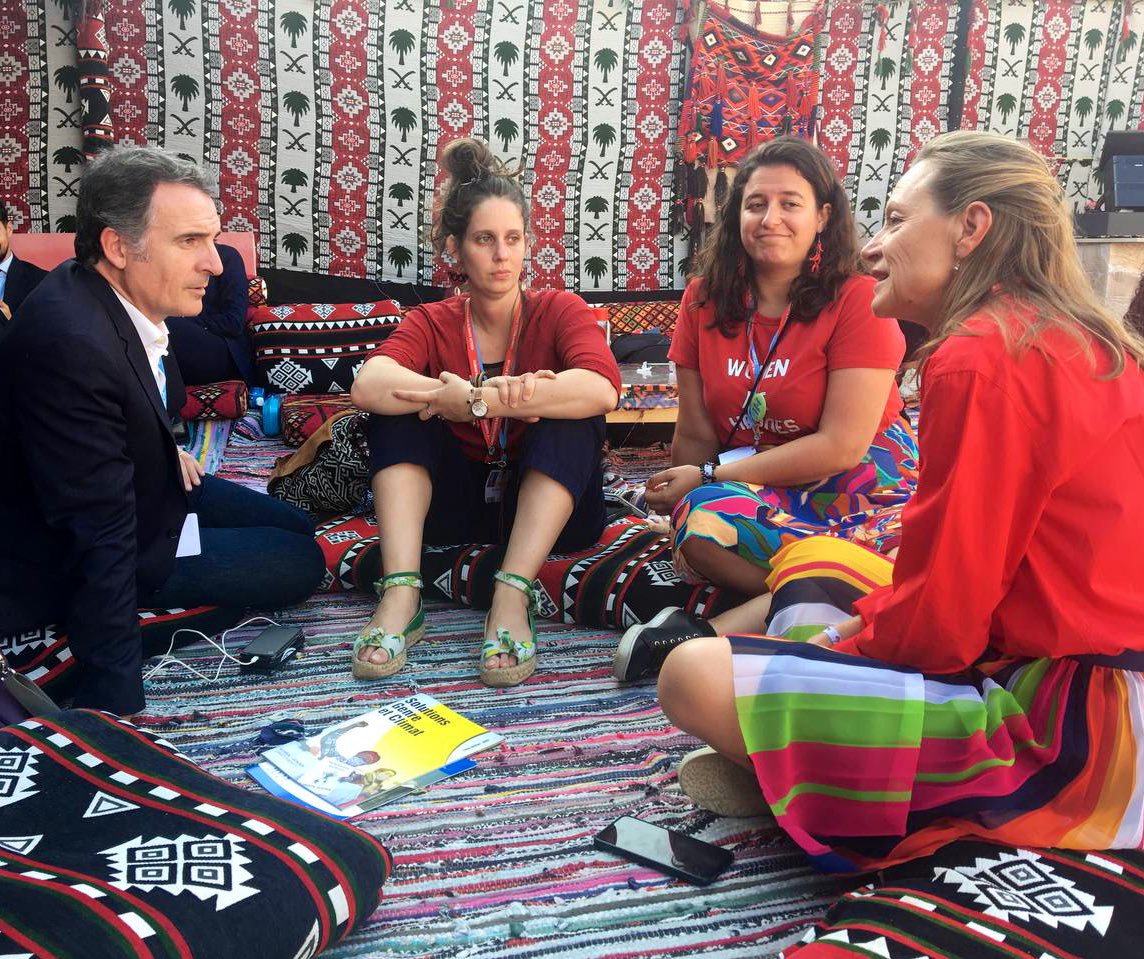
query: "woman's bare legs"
697, 693
401, 494
542, 509
710, 561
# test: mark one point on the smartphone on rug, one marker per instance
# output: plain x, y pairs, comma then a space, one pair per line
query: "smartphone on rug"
665, 849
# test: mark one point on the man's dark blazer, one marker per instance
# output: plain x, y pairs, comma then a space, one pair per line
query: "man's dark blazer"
22, 279
91, 493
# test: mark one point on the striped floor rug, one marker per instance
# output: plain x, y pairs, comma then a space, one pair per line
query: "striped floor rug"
499, 861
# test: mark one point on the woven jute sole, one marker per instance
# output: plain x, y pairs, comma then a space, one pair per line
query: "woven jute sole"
720, 786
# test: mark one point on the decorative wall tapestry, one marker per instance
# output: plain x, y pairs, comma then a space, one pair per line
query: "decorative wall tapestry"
886, 71
325, 119
744, 87
1059, 73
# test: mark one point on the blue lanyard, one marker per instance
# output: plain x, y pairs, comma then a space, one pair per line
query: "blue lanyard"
756, 366
504, 419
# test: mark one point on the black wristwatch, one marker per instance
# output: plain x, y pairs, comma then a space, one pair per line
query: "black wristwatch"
707, 472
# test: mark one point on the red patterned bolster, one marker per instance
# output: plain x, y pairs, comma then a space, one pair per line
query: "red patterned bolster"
302, 415
216, 401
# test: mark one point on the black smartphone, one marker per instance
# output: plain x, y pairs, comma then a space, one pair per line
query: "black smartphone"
665, 849
271, 648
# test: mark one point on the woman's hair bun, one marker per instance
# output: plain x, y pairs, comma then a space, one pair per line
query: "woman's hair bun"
468, 159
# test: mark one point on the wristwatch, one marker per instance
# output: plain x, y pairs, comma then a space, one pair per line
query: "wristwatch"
707, 472
477, 406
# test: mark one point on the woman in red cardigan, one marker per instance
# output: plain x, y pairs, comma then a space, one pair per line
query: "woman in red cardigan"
488, 422
993, 688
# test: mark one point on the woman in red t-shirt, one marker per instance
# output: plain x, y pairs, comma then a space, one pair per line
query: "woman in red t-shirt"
992, 683
789, 416
488, 422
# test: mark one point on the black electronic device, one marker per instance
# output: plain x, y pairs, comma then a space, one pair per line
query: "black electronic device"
1122, 166
271, 649
665, 849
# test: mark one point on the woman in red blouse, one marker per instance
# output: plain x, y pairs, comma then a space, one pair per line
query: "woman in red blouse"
488, 422
993, 688
789, 417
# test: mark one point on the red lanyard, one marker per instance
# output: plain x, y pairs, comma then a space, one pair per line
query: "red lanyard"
491, 427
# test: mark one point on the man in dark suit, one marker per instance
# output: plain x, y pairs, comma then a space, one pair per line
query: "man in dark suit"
215, 345
94, 493
17, 278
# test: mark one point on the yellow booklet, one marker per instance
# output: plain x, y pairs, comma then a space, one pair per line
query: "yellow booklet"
364, 762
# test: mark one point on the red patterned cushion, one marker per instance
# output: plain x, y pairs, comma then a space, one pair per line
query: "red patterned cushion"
626, 578
256, 291
302, 415
318, 347
44, 655
640, 317
216, 401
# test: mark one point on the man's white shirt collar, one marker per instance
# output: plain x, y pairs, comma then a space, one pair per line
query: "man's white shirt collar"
154, 338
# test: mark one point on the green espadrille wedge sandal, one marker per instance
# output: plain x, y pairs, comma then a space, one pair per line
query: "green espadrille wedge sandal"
523, 649
396, 644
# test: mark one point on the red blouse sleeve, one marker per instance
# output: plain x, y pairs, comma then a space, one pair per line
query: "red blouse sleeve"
580, 343
860, 339
684, 349
978, 502
409, 344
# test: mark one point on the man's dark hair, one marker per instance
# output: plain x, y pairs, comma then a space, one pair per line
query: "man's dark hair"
3, 213
116, 192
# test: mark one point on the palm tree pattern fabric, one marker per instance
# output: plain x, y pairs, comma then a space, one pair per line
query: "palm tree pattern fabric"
1061, 74
325, 121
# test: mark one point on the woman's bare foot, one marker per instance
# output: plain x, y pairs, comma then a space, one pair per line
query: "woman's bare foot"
396, 608
509, 610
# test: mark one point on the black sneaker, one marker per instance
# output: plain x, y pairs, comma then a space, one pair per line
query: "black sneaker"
644, 647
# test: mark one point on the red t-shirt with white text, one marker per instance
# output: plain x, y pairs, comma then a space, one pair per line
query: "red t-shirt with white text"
845, 335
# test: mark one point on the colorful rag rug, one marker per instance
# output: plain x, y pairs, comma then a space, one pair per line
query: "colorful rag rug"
207, 440
865, 764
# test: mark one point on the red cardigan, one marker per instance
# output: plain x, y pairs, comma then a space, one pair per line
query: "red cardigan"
1025, 531
560, 333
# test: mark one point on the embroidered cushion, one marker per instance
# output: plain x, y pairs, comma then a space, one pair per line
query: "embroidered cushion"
227, 400
302, 415
117, 844
987, 901
643, 316
318, 347
626, 578
328, 474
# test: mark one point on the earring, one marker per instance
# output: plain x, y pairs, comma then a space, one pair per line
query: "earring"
816, 256
956, 265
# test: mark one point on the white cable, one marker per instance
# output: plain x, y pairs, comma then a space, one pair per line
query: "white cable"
168, 660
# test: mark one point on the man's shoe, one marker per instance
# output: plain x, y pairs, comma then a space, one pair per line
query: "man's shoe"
644, 647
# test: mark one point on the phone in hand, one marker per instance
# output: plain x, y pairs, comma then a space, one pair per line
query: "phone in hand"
668, 851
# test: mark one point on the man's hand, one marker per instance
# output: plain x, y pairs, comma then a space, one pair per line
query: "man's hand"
192, 470
450, 400
669, 486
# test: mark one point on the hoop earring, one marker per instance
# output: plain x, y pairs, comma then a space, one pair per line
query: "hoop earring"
816, 256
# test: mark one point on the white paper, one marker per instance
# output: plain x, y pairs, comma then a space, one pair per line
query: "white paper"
738, 453
189, 544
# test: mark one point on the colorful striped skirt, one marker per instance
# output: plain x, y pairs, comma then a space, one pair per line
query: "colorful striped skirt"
866, 764
863, 504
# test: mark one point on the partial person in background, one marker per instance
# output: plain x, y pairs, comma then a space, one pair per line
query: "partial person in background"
488, 420
215, 345
17, 278
991, 682
95, 495
789, 417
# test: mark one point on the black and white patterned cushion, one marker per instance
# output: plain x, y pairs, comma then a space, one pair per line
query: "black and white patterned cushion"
318, 347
